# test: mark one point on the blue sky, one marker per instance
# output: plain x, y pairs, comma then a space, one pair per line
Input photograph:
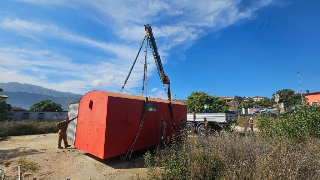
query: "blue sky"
224, 47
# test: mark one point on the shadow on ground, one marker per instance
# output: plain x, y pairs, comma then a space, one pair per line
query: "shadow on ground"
6, 138
16, 152
118, 162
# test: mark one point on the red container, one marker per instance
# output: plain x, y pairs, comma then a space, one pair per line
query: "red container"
108, 123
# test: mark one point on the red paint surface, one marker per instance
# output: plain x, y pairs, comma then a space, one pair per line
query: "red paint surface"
109, 128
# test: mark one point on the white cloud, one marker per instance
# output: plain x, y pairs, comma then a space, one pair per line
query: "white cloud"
37, 30
185, 20
174, 23
159, 93
20, 25
103, 81
43, 2
154, 89
78, 80
42, 76
113, 70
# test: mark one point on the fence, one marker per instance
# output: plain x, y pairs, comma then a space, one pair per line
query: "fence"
40, 116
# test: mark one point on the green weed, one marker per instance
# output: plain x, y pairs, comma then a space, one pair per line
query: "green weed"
25, 164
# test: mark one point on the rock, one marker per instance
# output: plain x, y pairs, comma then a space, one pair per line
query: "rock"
7, 164
25, 175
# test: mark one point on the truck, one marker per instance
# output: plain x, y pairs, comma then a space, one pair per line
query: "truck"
216, 121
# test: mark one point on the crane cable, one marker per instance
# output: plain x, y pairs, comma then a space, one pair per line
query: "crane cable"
144, 111
145, 73
125, 82
145, 66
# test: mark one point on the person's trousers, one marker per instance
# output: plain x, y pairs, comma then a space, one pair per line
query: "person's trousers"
64, 138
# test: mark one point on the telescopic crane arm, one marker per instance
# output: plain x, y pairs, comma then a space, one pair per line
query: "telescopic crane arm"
152, 42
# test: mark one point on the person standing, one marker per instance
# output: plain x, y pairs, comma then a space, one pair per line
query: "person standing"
251, 124
63, 132
163, 133
183, 124
183, 130
206, 126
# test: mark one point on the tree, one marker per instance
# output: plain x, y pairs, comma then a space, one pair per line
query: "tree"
265, 102
197, 100
4, 107
239, 99
250, 102
247, 103
288, 97
46, 105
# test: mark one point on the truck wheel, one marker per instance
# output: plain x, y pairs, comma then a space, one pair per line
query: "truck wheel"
201, 130
190, 128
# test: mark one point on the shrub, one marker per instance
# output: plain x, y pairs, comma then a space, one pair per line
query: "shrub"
235, 156
27, 127
297, 124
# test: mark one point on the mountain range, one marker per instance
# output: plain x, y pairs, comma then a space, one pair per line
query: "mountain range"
25, 95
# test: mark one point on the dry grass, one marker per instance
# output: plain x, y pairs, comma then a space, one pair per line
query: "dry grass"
243, 121
236, 156
27, 127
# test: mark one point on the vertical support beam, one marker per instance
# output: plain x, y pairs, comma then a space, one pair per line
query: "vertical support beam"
300, 88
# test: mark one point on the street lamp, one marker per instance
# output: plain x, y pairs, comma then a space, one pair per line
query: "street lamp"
300, 88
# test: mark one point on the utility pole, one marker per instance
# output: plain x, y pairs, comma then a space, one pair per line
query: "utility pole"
300, 88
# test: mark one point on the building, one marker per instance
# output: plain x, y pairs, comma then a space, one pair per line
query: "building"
234, 106
233, 103
14, 109
4, 97
180, 100
39, 116
313, 98
227, 99
257, 98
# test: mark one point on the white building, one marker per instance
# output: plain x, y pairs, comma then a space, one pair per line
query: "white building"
257, 98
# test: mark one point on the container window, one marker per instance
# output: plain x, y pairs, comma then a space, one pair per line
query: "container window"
90, 104
152, 107
41, 116
25, 115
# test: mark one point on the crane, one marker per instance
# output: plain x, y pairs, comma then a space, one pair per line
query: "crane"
151, 42
149, 38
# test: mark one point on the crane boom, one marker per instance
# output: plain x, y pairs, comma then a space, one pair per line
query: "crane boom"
152, 42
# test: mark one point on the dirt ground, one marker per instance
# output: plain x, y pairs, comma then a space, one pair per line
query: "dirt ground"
54, 163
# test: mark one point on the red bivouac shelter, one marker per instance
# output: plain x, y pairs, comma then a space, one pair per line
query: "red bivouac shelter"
108, 122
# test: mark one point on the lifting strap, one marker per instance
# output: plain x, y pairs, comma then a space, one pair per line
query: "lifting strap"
144, 111
171, 113
145, 73
125, 82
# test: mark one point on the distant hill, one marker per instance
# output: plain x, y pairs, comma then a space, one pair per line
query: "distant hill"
25, 95
29, 88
